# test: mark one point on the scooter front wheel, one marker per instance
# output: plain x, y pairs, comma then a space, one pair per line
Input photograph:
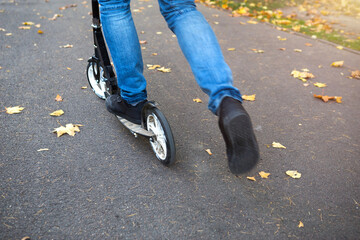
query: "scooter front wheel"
162, 142
95, 76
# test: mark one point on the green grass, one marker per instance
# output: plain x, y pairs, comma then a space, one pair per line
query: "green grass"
257, 8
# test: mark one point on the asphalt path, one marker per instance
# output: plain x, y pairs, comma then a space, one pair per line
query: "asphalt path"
103, 183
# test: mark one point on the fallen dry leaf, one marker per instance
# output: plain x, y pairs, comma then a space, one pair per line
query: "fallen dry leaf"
67, 46
252, 22
251, 178
152, 67
28, 23
231, 49
56, 15
84, 87
40, 31
57, 113
337, 64
293, 173
302, 75
320, 85
143, 42
43, 149
24, 27
70, 129
355, 74
300, 224
258, 50
164, 70
58, 98
327, 98
340, 47
68, 6
198, 100
208, 151
264, 174
249, 97
278, 145
14, 110
297, 50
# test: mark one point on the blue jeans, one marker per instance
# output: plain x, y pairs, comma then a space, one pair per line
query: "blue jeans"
196, 39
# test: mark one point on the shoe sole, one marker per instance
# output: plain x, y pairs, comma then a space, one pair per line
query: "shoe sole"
135, 121
241, 145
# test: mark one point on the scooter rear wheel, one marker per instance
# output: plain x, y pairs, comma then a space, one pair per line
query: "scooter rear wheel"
162, 143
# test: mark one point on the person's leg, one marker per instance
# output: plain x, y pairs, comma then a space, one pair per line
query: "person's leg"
123, 43
201, 49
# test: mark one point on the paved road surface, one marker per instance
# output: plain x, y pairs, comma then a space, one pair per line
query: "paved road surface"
105, 184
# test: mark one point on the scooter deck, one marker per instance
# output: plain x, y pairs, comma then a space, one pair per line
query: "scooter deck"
135, 128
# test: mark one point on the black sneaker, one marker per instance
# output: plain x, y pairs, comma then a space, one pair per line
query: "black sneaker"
118, 106
241, 145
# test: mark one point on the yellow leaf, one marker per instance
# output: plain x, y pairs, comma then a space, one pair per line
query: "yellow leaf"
337, 64
278, 145
158, 33
251, 178
338, 99
208, 151
300, 224
58, 98
320, 85
249, 97
297, 50
296, 28
28, 23
231, 49
252, 22
57, 113
258, 51
68, 68
84, 87
67, 46
340, 47
163, 69
40, 31
152, 67
293, 173
14, 110
264, 174
198, 100
70, 129
25, 27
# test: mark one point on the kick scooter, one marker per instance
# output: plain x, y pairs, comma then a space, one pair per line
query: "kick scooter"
103, 82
